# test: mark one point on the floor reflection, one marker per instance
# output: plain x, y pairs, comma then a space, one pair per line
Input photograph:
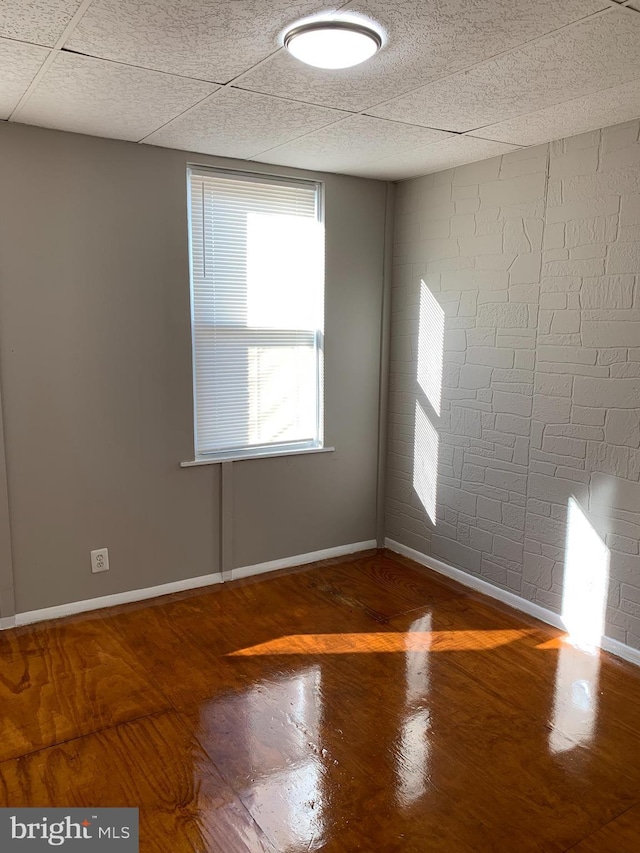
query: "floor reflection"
277, 764
414, 747
575, 700
586, 580
584, 598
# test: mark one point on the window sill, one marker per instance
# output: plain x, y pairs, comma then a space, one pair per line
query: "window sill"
241, 457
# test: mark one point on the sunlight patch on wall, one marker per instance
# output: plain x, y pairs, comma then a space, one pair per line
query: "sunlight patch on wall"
430, 347
425, 461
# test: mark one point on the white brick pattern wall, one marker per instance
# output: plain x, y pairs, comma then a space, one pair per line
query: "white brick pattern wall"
534, 258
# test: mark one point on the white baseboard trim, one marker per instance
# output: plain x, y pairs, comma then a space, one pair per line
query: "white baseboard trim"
133, 595
621, 650
542, 613
302, 559
128, 597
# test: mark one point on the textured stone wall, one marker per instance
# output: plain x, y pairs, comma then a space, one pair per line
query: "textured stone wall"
532, 261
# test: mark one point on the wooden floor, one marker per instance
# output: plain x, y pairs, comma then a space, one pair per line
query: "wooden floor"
363, 704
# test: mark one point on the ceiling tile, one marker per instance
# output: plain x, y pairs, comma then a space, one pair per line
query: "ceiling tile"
19, 64
38, 21
348, 144
595, 54
207, 39
86, 95
233, 123
427, 38
601, 109
434, 158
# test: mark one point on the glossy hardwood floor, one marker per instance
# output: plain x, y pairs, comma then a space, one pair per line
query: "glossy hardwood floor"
357, 705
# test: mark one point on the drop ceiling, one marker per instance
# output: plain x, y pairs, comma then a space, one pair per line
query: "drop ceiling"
455, 81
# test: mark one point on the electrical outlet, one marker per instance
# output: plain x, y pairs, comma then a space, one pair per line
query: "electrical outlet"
100, 560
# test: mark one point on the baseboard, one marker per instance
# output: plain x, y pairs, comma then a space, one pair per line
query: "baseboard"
302, 559
134, 595
542, 613
128, 597
621, 650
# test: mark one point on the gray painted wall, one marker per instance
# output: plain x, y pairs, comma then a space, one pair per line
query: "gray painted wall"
534, 259
95, 371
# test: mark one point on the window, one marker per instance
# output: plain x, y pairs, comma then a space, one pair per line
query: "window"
257, 295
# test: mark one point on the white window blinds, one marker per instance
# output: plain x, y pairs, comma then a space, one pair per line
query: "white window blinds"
257, 277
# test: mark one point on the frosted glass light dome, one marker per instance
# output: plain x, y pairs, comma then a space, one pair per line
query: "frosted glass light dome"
332, 44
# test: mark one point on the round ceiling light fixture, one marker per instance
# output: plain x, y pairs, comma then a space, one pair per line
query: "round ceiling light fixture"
332, 44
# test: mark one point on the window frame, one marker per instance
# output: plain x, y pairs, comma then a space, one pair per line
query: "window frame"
315, 445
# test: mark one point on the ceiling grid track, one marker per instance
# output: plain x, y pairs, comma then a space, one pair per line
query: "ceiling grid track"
385, 124
55, 50
464, 70
231, 84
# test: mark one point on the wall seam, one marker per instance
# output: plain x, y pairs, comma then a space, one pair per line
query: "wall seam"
7, 583
385, 340
545, 203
